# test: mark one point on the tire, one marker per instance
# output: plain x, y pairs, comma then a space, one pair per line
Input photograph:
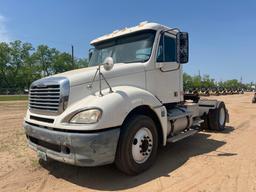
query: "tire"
133, 146
217, 118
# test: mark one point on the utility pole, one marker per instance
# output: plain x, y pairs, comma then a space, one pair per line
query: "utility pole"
72, 56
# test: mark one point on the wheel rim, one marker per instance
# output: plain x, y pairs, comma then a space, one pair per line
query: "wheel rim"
222, 116
142, 145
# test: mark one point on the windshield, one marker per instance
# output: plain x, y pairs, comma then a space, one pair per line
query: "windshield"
135, 47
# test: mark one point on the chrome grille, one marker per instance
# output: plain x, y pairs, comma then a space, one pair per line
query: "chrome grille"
49, 96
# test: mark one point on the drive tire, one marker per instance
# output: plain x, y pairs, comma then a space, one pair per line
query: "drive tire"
125, 160
217, 118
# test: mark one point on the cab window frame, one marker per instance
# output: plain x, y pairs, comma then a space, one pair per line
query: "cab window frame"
162, 40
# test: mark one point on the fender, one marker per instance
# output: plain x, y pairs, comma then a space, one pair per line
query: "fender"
115, 108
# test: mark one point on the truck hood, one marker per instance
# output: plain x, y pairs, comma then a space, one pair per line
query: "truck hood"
85, 75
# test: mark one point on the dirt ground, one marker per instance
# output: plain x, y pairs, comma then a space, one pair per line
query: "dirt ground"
207, 161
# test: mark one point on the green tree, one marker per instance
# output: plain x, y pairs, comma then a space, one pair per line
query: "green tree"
80, 63
187, 81
61, 62
13, 57
21, 64
44, 58
4, 62
207, 82
196, 81
233, 83
31, 71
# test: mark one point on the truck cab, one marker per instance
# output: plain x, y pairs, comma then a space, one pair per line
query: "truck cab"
126, 104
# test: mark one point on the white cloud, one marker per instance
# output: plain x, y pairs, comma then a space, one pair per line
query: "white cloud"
4, 36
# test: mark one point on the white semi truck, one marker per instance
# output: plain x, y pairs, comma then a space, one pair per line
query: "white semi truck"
124, 106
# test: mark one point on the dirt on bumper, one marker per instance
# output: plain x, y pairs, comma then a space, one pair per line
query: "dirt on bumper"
82, 149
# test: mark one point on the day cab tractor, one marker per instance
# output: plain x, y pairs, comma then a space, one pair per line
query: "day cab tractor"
124, 106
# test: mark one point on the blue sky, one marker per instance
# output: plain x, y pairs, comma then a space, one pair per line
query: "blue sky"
222, 32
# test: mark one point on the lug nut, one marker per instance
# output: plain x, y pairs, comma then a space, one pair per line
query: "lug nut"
150, 145
146, 153
149, 150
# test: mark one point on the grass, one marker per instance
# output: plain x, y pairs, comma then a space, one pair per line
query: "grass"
13, 97
34, 162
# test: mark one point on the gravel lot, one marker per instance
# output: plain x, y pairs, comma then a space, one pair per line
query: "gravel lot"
208, 161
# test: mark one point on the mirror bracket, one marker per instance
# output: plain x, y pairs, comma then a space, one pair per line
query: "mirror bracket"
108, 65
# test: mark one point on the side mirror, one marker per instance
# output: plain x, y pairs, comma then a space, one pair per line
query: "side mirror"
108, 63
182, 47
90, 53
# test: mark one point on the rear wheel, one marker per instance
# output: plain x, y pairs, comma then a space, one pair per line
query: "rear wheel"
137, 147
217, 118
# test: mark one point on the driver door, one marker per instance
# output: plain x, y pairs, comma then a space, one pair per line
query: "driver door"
166, 80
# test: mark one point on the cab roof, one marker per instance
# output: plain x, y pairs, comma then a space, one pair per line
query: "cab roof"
142, 26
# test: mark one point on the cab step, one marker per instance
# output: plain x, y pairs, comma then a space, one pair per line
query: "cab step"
181, 136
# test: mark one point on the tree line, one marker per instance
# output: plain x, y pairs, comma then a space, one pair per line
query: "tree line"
206, 82
21, 64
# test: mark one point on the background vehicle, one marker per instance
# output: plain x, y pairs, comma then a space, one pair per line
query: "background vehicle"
254, 98
204, 92
91, 117
215, 91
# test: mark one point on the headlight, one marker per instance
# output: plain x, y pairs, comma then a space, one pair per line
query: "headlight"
86, 117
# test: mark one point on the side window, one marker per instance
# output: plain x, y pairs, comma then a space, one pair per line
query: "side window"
167, 49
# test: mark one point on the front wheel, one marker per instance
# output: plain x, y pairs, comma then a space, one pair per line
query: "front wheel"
137, 147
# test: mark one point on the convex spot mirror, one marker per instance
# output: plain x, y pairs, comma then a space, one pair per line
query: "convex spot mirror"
108, 63
182, 48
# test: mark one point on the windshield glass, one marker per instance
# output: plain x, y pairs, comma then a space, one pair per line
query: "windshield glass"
135, 47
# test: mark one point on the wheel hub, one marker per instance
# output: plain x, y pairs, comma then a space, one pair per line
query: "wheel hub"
142, 145
222, 116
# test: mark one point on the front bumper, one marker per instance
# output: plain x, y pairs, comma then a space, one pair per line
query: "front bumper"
82, 149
